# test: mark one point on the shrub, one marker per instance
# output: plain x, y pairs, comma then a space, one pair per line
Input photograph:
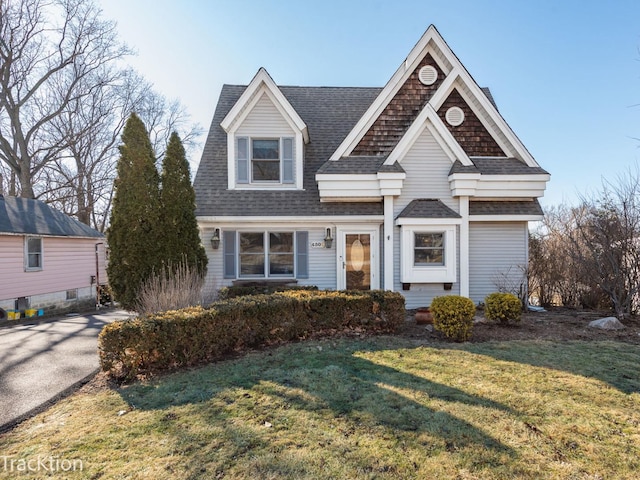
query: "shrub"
502, 307
258, 289
453, 316
170, 289
196, 335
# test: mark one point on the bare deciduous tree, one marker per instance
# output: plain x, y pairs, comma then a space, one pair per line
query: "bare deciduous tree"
53, 55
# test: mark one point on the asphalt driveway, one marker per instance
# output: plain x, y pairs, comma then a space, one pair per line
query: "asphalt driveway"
41, 361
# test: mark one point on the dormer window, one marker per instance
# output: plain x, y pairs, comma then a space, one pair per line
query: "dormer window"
265, 160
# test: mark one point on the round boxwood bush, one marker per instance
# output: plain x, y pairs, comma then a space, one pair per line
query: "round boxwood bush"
453, 316
503, 307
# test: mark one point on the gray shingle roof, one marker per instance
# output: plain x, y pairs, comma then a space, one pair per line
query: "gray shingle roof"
33, 217
329, 112
531, 207
359, 165
496, 166
427, 208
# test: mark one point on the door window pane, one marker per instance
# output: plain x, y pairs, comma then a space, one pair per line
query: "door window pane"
358, 264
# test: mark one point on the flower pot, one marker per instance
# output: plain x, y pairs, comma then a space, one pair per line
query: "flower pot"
423, 316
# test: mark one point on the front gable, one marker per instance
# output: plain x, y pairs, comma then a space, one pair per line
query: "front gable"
265, 139
432, 90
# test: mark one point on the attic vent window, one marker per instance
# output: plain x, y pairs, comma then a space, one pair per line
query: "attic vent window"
454, 116
428, 75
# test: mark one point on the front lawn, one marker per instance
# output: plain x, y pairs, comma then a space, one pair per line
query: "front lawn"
381, 407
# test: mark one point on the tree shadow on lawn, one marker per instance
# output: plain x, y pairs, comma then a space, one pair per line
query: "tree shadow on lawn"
322, 378
614, 363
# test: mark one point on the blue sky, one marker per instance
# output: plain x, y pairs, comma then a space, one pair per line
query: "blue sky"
565, 74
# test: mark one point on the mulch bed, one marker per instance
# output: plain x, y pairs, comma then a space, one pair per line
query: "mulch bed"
558, 324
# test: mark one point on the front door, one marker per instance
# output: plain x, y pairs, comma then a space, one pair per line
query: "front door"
357, 260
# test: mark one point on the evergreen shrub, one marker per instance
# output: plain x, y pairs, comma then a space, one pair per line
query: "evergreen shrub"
453, 316
503, 307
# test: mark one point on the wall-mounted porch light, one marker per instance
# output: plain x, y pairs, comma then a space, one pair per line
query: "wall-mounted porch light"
328, 239
215, 240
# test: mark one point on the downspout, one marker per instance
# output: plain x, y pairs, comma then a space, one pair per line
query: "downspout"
98, 305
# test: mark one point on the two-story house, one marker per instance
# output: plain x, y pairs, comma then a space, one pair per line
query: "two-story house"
419, 187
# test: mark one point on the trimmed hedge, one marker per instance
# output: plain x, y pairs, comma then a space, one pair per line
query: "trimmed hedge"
453, 316
235, 291
502, 307
196, 335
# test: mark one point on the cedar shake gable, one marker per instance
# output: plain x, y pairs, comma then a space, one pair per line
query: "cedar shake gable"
399, 114
472, 136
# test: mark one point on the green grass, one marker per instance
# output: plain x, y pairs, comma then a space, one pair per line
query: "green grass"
376, 408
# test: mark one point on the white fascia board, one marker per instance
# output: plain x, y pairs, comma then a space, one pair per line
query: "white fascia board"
505, 218
532, 177
391, 175
372, 199
262, 79
234, 221
428, 221
346, 177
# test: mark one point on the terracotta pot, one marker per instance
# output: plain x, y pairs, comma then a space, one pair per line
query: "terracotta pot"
423, 316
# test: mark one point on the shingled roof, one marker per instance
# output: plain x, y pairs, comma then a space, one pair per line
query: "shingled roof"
523, 207
496, 166
33, 217
329, 112
428, 208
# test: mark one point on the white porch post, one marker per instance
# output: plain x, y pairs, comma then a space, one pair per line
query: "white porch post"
464, 246
388, 242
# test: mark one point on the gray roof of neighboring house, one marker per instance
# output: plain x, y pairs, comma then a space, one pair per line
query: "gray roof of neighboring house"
329, 112
524, 207
427, 208
496, 166
33, 217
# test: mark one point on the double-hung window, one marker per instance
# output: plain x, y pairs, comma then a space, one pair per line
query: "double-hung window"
266, 254
264, 161
33, 253
428, 249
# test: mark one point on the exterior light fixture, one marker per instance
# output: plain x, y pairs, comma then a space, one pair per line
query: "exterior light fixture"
328, 239
215, 240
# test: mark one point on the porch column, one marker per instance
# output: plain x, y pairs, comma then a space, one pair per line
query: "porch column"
388, 242
464, 247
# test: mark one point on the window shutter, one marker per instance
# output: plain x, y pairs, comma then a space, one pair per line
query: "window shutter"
287, 160
302, 255
242, 160
229, 253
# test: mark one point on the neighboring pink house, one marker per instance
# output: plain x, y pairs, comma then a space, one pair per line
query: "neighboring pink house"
48, 260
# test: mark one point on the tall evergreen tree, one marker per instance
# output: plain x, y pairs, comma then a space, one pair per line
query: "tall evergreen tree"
134, 233
181, 237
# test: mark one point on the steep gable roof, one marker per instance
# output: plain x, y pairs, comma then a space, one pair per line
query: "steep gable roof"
329, 112
498, 138
263, 83
33, 217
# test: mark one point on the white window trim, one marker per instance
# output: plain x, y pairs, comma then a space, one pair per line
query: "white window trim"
27, 268
411, 273
265, 237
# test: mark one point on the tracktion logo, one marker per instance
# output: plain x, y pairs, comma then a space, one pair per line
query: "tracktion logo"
41, 463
